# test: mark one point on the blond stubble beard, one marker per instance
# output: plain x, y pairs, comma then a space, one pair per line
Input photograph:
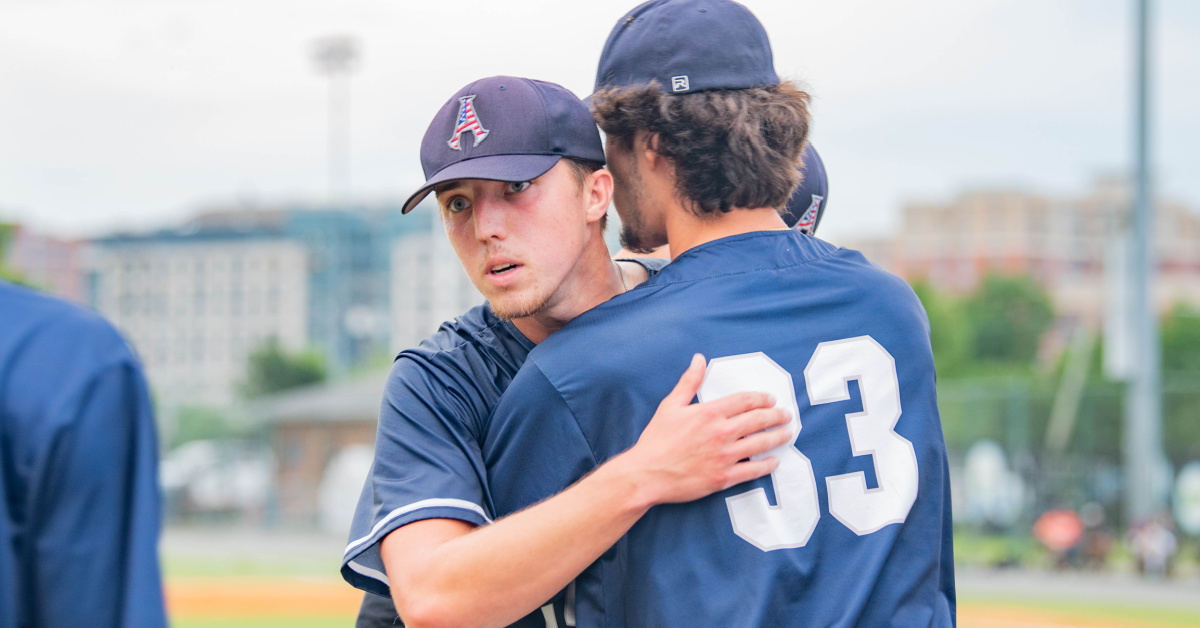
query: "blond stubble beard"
524, 308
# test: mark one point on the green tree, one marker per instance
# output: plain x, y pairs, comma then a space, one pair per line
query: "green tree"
1181, 339
270, 369
202, 423
7, 273
1180, 333
1008, 316
949, 331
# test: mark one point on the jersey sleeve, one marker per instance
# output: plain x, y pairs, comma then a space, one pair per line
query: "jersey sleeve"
428, 463
95, 556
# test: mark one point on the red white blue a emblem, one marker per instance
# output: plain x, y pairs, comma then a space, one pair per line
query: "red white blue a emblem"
808, 221
467, 121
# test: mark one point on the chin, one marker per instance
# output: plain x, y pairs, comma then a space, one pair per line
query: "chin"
639, 242
508, 307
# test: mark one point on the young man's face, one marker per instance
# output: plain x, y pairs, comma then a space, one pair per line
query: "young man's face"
519, 242
638, 231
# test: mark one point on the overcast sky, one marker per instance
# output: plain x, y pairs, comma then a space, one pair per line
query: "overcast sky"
137, 113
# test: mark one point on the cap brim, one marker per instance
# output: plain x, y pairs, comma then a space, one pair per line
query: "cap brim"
508, 168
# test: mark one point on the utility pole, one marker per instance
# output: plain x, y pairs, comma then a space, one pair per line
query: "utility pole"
335, 58
1142, 442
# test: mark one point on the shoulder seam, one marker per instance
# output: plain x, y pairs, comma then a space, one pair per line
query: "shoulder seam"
459, 344
574, 418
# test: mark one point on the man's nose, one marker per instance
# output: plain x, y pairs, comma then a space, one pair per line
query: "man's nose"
490, 219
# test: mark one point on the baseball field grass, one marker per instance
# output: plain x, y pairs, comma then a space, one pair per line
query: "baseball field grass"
294, 584
270, 601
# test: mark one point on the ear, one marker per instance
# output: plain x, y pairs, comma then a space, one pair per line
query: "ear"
647, 150
598, 191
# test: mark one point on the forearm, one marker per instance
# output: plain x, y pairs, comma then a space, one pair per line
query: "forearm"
496, 574
444, 573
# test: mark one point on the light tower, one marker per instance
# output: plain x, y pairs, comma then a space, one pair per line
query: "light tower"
336, 57
1143, 452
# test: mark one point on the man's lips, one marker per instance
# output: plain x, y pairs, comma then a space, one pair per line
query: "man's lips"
503, 272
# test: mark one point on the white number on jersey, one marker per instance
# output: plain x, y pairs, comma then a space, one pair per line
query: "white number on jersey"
793, 519
872, 433
791, 522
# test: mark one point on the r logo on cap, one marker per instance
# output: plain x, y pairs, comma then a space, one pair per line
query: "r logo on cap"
467, 121
679, 83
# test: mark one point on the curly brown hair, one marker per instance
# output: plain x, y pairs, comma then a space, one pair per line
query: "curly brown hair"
730, 148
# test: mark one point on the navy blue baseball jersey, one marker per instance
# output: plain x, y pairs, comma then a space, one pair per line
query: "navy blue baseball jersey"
79, 504
437, 454
852, 529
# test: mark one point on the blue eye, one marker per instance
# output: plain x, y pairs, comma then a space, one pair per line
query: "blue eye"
457, 204
518, 187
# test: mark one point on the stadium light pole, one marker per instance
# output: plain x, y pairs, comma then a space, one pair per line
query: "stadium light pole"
1143, 400
336, 57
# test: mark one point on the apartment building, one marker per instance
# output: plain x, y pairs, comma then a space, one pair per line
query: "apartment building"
1066, 244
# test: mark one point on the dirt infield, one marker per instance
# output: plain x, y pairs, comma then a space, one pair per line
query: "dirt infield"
198, 598
257, 598
1007, 615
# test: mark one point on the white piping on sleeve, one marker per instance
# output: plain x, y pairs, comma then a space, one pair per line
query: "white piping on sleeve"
404, 510
370, 573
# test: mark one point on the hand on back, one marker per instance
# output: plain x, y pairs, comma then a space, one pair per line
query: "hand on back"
691, 450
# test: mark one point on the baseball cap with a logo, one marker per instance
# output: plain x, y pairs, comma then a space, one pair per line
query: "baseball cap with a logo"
505, 128
806, 205
687, 46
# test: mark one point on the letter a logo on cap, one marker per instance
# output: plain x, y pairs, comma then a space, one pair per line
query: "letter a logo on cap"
809, 219
467, 121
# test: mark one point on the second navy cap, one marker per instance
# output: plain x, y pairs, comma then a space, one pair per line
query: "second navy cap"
687, 46
807, 203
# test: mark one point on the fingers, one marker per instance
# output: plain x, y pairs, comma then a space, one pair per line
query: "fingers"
688, 384
760, 443
740, 403
750, 470
759, 420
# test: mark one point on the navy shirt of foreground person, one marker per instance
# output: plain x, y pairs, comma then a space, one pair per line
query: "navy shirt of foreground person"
79, 505
854, 526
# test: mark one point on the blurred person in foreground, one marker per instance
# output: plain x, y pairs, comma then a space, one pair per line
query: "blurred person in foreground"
79, 503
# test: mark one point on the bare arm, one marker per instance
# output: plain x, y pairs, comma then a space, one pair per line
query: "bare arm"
448, 573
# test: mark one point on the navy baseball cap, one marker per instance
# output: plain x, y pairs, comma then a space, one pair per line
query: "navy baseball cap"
505, 128
807, 203
687, 46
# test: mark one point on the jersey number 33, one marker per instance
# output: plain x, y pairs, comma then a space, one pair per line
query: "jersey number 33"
791, 521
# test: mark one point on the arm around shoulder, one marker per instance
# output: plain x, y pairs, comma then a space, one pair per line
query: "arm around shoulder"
450, 573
